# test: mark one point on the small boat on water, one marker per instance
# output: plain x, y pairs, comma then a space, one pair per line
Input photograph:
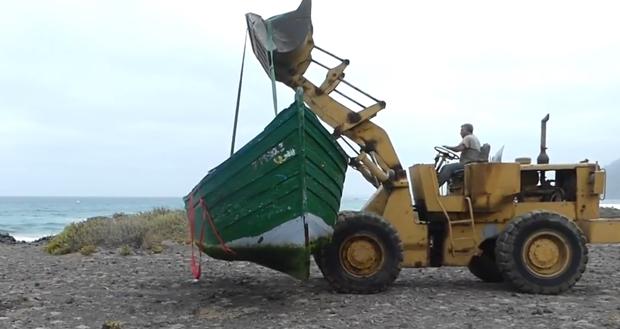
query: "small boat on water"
275, 198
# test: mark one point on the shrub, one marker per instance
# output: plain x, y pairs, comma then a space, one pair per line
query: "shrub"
111, 325
142, 230
88, 250
157, 249
124, 250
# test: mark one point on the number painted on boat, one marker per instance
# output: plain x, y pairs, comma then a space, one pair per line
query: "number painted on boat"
278, 154
280, 159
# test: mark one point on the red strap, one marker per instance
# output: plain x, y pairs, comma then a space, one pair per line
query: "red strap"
191, 216
207, 217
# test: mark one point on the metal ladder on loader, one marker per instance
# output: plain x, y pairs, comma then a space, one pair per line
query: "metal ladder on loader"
454, 242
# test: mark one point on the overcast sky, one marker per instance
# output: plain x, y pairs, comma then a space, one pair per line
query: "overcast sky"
137, 98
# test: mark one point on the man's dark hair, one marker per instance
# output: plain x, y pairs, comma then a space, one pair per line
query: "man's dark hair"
469, 127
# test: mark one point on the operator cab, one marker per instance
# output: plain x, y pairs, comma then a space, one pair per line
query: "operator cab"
546, 183
444, 156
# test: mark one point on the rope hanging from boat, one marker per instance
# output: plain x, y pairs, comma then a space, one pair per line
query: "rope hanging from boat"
232, 145
272, 71
206, 216
191, 216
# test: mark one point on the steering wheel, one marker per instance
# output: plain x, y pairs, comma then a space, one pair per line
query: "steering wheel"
446, 154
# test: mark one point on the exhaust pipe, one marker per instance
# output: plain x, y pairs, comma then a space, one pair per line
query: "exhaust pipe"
543, 158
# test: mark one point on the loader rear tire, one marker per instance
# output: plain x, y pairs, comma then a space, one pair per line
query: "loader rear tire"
485, 269
541, 253
484, 266
364, 255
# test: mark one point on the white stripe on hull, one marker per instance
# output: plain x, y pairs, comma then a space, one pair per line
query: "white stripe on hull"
289, 233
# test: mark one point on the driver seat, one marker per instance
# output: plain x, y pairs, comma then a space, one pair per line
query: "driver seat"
458, 177
485, 149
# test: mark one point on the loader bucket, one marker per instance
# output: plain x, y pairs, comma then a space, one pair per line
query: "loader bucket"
288, 36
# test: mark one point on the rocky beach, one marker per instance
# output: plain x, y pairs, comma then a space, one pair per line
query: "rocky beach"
148, 290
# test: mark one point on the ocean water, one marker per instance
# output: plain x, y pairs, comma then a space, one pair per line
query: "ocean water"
30, 218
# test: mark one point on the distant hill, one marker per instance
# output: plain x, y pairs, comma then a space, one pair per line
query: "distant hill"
613, 180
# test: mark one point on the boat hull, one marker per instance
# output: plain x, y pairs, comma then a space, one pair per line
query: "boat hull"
273, 200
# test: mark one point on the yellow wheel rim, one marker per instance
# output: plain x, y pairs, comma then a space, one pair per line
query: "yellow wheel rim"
546, 254
362, 255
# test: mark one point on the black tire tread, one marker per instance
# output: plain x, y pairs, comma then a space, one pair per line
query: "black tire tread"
334, 275
508, 266
342, 215
485, 269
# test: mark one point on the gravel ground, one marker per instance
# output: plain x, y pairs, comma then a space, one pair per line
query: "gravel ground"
157, 291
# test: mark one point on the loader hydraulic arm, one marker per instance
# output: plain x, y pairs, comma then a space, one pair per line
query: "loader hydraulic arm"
283, 45
373, 140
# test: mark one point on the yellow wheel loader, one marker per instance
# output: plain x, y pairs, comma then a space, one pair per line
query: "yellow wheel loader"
515, 221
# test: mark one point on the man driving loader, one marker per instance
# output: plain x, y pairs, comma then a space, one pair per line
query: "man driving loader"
470, 152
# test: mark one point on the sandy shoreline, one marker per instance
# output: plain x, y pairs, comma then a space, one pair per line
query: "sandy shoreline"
156, 291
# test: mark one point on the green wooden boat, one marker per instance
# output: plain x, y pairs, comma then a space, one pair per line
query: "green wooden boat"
274, 199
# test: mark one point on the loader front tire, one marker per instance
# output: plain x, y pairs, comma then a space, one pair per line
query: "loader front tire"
342, 215
364, 255
541, 253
